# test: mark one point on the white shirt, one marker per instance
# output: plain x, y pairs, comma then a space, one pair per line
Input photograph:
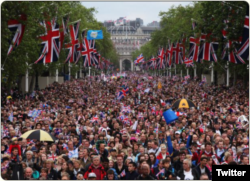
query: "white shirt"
203, 170
188, 175
73, 153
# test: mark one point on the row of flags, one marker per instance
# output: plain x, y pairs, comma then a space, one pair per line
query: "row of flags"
200, 48
53, 38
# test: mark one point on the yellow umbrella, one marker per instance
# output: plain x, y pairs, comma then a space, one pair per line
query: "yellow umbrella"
183, 103
9, 97
38, 134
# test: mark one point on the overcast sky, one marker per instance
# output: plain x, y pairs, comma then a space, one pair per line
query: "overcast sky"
148, 11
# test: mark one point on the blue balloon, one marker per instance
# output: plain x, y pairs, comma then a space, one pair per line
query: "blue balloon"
169, 116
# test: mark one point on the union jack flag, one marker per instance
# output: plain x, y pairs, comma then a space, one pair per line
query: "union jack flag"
204, 79
125, 91
169, 53
94, 119
139, 59
189, 62
194, 48
120, 95
152, 63
95, 60
73, 46
180, 114
126, 109
126, 121
243, 52
86, 51
17, 27
187, 77
230, 52
177, 54
50, 42
208, 48
162, 171
160, 59
123, 173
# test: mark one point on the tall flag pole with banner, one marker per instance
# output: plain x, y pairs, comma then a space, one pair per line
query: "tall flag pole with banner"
139, 59
86, 51
73, 46
50, 42
17, 27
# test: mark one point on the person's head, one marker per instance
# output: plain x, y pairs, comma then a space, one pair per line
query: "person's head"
131, 166
77, 164
119, 159
15, 151
152, 157
203, 161
96, 160
163, 149
65, 176
187, 164
44, 172
64, 166
145, 169
166, 163
182, 155
111, 164
204, 176
110, 175
208, 147
228, 157
141, 149
49, 163
220, 144
79, 176
244, 160
28, 172
102, 147
92, 176
29, 155
70, 145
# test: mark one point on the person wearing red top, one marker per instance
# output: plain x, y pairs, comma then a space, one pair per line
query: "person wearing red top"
163, 153
96, 168
15, 145
209, 151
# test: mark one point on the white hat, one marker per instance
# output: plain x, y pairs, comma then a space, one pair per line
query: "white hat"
91, 175
177, 132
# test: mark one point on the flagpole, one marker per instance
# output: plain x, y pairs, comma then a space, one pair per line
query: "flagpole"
74, 22
69, 70
195, 70
89, 71
80, 70
187, 71
56, 75
175, 69
181, 72
212, 72
227, 74
27, 80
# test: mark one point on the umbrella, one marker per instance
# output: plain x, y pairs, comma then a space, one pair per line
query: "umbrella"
38, 135
9, 97
183, 103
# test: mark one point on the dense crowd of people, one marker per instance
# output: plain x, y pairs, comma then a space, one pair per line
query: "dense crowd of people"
102, 136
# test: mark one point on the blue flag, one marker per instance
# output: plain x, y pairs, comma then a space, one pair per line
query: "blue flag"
169, 116
94, 34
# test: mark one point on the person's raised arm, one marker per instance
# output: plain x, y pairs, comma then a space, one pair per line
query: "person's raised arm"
169, 143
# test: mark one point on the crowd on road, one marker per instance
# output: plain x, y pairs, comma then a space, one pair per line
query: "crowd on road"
102, 136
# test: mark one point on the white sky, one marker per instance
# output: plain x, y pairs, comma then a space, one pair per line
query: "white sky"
148, 11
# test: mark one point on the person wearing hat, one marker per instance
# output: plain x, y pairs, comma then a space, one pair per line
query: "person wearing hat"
92, 176
113, 155
15, 145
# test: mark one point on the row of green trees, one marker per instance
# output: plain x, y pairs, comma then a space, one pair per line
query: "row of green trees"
176, 23
15, 64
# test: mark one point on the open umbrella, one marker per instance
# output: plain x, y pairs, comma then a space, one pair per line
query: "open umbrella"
38, 135
183, 103
9, 97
